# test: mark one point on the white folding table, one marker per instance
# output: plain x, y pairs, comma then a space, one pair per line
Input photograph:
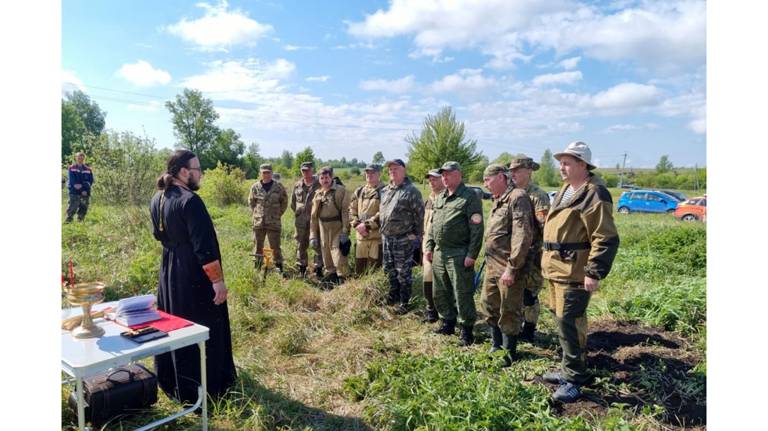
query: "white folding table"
81, 358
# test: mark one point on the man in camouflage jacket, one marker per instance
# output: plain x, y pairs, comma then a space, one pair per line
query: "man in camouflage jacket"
268, 201
363, 205
301, 203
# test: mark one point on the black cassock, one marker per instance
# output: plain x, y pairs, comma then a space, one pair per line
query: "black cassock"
189, 242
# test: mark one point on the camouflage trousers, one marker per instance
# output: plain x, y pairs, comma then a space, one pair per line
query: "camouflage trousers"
77, 204
398, 265
503, 305
452, 288
273, 236
334, 261
302, 245
533, 282
569, 303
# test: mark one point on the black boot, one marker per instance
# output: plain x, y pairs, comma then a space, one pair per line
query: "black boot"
402, 308
394, 292
319, 272
510, 345
430, 316
448, 327
302, 271
467, 337
495, 339
528, 333
279, 269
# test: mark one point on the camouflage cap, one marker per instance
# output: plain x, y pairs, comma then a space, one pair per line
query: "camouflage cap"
494, 169
432, 173
325, 170
449, 167
265, 167
373, 167
523, 161
394, 162
307, 165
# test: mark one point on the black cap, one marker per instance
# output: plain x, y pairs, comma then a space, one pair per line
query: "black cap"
394, 161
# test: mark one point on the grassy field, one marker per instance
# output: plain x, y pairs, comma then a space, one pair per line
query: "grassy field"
340, 360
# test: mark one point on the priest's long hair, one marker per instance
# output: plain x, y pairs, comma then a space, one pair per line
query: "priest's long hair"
179, 159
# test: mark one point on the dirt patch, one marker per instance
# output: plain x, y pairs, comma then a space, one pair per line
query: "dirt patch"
642, 367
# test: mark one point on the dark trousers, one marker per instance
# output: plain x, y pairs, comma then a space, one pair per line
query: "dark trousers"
77, 204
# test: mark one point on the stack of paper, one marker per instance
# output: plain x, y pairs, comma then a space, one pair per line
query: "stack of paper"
135, 310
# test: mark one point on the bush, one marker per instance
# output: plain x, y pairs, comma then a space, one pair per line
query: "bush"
224, 185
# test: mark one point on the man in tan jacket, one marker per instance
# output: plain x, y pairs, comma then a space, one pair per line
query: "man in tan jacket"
363, 206
580, 243
436, 187
268, 201
330, 225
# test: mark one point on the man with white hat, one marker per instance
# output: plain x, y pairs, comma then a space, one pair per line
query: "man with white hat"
580, 243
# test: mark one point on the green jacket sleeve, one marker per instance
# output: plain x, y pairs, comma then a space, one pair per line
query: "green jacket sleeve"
475, 207
522, 232
417, 207
283, 200
604, 238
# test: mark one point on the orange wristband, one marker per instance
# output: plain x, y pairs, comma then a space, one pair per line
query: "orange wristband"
213, 271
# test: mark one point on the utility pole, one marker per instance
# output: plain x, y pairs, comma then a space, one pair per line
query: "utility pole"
621, 174
696, 176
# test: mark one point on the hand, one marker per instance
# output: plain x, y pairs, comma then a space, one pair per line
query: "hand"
221, 292
428, 255
314, 243
591, 284
469, 262
508, 278
78, 186
84, 193
343, 238
361, 229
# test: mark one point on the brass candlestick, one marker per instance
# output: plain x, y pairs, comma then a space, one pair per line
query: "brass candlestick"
85, 295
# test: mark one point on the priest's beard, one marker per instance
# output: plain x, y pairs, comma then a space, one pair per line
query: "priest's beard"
193, 184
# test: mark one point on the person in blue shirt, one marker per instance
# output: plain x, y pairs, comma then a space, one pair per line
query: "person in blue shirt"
80, 182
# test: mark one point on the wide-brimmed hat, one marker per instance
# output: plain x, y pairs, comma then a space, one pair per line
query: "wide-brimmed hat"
578, 150
523, 161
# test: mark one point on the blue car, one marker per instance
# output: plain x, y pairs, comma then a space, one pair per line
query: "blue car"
646, 201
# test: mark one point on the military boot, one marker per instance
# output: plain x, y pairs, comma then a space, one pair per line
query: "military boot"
448, 327
279, 269
319, 272
529, 331
495, 339
329, 281
510, 345
430, 316
467, 337
302, 271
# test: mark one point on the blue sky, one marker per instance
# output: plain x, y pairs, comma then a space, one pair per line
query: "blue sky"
350, 78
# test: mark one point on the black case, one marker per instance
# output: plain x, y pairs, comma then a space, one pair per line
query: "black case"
116, 392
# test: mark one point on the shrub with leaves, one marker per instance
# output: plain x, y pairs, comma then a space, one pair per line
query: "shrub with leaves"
224, 185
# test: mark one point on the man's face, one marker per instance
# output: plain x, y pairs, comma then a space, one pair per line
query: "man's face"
436, 184
195, 174
521, 176
496, 184
396, 173
307, 173
572, 168
325, 181
80, 159
371, 177
451, 179
266, 176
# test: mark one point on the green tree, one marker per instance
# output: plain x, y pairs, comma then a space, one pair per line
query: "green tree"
305, 155
547, 174
286, 159
664, 165
193, 119
378, 158
227, 148
82, 122
89, 111
72, 130
504, 159
252, 160
441, 139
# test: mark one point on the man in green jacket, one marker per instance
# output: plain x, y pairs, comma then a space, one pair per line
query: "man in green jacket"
453, 244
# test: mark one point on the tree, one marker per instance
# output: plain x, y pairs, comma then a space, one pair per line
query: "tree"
227, 149
378, 158
82, 122
504, 159
89, 111
442, 139
547, 174
252, 160
286, 159
72, 130
194, 124
664, 165
305, 155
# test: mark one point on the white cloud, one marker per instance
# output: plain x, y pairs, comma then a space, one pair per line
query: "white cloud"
70, 82
465, 81
402, 85
143, 74
240, 80
219, 28
557, 78
322, 78
626, 96
570, 63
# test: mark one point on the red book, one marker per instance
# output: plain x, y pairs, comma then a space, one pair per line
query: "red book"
167, 323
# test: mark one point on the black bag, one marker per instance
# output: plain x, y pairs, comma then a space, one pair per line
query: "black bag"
116, 392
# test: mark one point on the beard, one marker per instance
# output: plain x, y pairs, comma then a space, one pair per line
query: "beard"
193, 184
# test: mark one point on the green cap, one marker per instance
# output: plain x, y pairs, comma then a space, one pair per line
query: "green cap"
494, 169
265, 167
449, 167
523, 161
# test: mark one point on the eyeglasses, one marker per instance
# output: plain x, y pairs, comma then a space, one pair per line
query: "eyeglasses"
195, 169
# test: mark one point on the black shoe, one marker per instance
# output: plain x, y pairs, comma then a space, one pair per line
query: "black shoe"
495, 339
401, 309
510, 345
391, 300
279, 269
529, 332
319, 272
302, 271
467, 337
430, 316
448, 327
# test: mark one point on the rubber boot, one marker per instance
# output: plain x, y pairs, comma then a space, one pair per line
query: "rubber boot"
302, 271
467, 337
360, 266
510, 345
495, 339
528, 332
448, 327
279, 269
319, 272
394, 292
430, 316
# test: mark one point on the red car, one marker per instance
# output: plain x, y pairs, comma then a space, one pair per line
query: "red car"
692, 209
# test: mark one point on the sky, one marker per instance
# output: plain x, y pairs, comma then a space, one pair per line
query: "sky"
350, 78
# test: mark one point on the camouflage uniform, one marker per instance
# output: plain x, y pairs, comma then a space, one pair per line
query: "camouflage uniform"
580, 239
507, 244
401, 219
426, 264
363, 205
329, 219
456, 233
533, 279
301, 204
268, 204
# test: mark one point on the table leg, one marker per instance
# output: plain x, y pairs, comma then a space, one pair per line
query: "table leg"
80, 404
204, 382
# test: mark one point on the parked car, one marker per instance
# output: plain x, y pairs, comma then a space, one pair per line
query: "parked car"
648, 201
692, 209
677, 195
